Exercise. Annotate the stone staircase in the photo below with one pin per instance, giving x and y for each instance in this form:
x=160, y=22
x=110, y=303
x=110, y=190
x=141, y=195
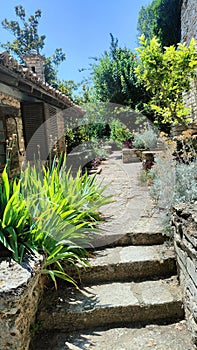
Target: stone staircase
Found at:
x=129, y=299
x=126, y=287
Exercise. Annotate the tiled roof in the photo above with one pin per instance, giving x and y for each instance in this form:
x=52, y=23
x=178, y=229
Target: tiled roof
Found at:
x=23, y=72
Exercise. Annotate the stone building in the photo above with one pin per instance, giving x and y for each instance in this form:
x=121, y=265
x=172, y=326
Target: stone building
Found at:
x=26, y=103
x=188, y=20
x=189, y=31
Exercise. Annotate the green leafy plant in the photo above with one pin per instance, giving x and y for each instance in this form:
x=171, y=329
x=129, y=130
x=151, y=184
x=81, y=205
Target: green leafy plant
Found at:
x=113, y=77
x=48, y=211
x=161, y=18
x=174, y=177
x=75, y=136
x=65, y=211
x=15, y=220
x=119, y=132
x=166, y=75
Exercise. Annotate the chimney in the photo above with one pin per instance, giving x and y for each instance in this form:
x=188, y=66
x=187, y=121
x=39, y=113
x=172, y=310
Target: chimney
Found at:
x=35, y=62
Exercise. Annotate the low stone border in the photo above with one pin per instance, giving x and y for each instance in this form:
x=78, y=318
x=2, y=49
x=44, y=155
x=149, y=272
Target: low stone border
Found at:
x=132, y=155
x=20, y=293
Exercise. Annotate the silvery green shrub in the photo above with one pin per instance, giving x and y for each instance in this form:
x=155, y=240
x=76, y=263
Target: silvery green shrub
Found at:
x=146, y=138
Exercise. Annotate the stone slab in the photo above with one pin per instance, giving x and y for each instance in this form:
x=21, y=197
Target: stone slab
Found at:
x=111, y=304
x=129, y=156
x=127, y=263
x=158, y=337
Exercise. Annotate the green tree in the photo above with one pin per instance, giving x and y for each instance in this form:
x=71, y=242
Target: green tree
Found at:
x=146, y=21
x=51, y=67
x=114, y=78
x=25, y=31
x=167, y=75
x=161, y=18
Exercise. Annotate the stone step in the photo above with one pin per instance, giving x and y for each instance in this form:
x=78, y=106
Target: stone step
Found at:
x=158, y=337
x=146, y=231
x=127, y=264
x=111, y=304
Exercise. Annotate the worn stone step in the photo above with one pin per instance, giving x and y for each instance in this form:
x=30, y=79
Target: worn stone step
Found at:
x=111, y=304
x=128, y=264
x=145, y=231
x=158, y=337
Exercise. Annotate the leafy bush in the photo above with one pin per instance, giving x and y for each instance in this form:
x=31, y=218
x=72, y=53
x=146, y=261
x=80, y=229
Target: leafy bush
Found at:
x=173, y=183
x=186, y=183
x=146, y=138
x=166, y=74
x=119, y=132
x=174, y=177
x=75, y=136
x=97, y=130
x=49, y=211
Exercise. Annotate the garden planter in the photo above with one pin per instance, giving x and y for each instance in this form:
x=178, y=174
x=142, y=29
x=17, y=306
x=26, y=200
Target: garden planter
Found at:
x=131, y=155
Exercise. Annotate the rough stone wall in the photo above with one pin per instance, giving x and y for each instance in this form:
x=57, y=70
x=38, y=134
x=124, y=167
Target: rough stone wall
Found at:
x=188, y=20
x=189, y=31
x=15, y=127
x=190, y=99
x=185, y=241
x=20, y=292
x=10, y=109
x=61, y=132
x=6, y=100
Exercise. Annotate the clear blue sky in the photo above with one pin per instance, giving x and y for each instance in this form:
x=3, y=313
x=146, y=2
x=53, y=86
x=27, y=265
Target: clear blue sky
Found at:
x=80, y=27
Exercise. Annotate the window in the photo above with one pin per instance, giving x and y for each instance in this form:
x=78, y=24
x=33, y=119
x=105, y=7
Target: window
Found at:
x=35, y=134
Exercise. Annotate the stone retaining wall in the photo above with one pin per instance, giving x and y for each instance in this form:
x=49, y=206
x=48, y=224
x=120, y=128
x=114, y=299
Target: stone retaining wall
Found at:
x=185, y=241
x=20, y=292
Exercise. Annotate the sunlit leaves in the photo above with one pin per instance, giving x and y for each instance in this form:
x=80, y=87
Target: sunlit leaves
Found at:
x=51, y=212
x=114, y=78
x=167, y=75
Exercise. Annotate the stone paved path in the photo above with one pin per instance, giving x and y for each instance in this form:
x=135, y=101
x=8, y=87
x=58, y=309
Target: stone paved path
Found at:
x=132, y=208
x=130, y=298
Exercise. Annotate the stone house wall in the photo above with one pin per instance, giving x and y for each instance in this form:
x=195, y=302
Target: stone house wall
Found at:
x=10, y=110
x=188, y=20
x=189, y=31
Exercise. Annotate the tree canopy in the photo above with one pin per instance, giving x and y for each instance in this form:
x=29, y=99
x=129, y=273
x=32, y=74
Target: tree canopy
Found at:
x=27, y=38
x=114, y=78
x=161, y=18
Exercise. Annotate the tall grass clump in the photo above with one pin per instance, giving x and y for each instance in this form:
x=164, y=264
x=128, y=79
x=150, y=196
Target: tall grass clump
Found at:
x=48, y=211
